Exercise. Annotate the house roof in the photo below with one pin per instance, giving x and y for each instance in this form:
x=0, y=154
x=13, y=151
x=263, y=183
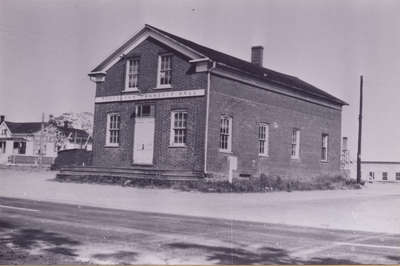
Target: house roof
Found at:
x=68, y=130
x=24, y=127
x=32, y=127
x=380, y=162
x=259, y=72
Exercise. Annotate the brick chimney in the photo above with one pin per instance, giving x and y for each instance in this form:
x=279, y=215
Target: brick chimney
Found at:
x=2, y=118
x=257, y=54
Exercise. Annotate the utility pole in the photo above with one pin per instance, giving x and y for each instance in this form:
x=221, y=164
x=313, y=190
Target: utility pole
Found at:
x=359, y=133
x=41, y=142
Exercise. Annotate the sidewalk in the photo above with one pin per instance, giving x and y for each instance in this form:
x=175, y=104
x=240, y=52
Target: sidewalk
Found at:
x=374, y=208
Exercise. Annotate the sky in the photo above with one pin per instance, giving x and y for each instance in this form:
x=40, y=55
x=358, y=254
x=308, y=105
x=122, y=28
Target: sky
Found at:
x=47, y=48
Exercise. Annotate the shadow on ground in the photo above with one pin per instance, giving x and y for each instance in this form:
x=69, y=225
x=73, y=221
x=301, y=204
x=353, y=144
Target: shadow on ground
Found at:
x=396, y=259
x=266, y=255
x=29, y=239
x=119, y=257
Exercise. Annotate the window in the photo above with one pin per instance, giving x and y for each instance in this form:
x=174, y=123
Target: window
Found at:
x=263, y=135
x=372, y=175
x=384, y=176
x=144, y=110
x=164, y=71
x=178, y=128
x=2, y=147
x=4, y=132
x=19, y=147
x=132, y=74
x=397, y=175
x=324, y=148
x=113, y=129
x=225, y=135
x=295, y=147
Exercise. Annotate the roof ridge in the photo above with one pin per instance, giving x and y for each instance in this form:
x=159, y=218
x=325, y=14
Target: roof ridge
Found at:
x=223, y=53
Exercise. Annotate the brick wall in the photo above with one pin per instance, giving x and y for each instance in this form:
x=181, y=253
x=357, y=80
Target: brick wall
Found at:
x=183, y=77
x=249, y=105
x=190, y=157
x=165, y=157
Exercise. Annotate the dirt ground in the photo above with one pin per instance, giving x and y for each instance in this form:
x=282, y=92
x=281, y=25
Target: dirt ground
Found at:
x=373, y=208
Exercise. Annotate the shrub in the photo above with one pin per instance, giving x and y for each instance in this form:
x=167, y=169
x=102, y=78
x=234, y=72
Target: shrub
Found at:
x=263, y=183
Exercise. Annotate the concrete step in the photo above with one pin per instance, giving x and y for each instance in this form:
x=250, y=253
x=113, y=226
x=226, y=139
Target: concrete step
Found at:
x=131, y=173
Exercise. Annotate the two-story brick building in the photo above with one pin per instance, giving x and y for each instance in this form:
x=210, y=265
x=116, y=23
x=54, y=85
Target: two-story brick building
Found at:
x=167, y=104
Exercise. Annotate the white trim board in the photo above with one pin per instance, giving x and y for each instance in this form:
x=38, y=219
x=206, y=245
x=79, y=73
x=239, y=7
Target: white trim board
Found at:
x=142, y=36
x=150, y=95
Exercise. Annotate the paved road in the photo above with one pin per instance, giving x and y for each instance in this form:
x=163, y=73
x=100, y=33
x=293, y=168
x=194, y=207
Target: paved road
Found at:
x=37, y=232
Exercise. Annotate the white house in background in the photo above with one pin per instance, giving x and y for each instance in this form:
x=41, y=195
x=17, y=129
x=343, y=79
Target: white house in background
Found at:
x=380, y=171
x=24, y=142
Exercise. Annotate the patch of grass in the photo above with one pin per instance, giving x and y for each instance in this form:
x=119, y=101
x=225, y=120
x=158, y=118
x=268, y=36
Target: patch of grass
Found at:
x=263, y=183
x=266, y=183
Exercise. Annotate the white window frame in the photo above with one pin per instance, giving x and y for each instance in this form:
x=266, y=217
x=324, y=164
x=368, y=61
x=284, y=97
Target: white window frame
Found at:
x=227, y=132
x=127, y=74
x=324, y=147
x=159, y=85
x=263, y=139
x=295, y=144
x=108, y=129
x=182, y=127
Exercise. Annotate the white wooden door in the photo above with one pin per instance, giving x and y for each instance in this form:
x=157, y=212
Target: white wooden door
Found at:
x=143, y=141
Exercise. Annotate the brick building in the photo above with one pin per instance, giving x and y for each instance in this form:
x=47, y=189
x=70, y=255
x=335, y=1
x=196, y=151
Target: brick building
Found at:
x=166, y=104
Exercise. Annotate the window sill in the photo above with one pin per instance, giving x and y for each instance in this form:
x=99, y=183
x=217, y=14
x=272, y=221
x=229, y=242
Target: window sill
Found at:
x=177, y=146
x=160, y=87
x=111, y=146
x=131, y=90
x=324, y=161
x=225, y=151
x=263, y=155
x=295, y=158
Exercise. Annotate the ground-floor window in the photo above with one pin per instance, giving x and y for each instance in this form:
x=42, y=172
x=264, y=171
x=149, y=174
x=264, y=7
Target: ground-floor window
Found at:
x=324, y=148
x=295, y=147
x=384, y=176
x=225, y=135
x=20, y=147
x=398, y=176
x=178, y=128
x=372, y=175
x=263, y=136
x=3, y=147
x=113, y=129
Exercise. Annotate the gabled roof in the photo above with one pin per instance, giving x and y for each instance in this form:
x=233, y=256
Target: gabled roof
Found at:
x=24, y=127
x=68, y=130
x=262, y=73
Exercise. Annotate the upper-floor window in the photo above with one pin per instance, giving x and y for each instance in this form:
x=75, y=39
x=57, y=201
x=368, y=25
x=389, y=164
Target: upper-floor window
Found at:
x=384, y=176
x=164, y=71
x=324, y=147
x=132, y=74
x=263, y=136
x=113, y=129
x=225, y=135
x=397, y=175
x=4, y=132
x=295, y=146
x=178, y=128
